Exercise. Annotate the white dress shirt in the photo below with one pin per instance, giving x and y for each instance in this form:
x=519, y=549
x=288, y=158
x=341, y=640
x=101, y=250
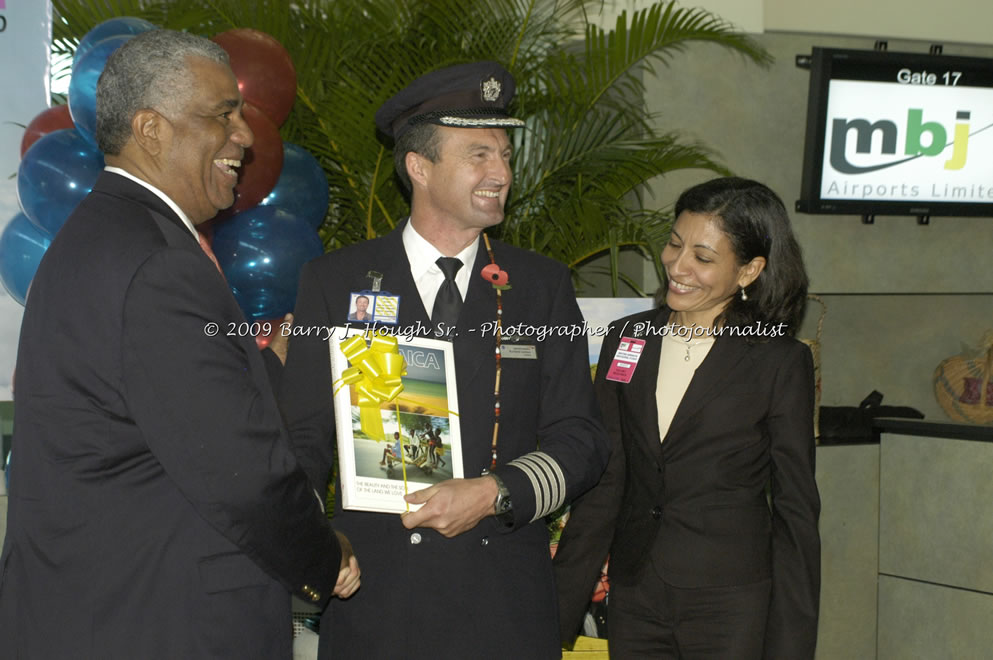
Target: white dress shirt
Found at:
x=675, y=374
x=427, y=276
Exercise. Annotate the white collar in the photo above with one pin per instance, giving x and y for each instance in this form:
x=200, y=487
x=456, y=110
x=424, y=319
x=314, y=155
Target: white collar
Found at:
x=422, y=256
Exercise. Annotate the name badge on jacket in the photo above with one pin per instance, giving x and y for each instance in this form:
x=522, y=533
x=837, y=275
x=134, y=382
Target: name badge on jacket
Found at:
x=625, y=360
x=514, y=347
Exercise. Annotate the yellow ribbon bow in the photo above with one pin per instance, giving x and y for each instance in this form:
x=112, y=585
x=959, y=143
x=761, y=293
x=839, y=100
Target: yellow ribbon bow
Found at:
x=376, y=372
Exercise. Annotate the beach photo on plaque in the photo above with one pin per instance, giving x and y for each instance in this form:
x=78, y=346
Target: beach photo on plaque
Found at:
x=395, y=416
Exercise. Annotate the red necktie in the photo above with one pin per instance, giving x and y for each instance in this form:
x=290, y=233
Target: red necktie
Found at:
x=205, y=246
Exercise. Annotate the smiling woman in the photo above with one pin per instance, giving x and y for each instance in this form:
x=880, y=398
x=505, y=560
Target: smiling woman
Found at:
x=702, y=422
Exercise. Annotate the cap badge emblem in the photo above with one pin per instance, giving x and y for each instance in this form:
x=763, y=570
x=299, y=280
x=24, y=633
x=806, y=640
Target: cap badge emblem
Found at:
x=491, y=89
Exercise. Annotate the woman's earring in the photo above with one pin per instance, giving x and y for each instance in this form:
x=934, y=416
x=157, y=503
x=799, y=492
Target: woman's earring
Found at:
x=744, y=296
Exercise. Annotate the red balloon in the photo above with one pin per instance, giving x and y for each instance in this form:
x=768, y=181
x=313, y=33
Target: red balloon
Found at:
x=262, y=163
x=53, y=119
x=265, y=72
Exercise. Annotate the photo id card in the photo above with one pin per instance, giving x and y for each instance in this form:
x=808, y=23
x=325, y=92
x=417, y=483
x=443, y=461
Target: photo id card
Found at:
x=373, y=307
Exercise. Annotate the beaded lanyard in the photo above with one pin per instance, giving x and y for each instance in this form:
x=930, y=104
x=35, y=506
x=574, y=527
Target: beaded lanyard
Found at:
x=498, y=278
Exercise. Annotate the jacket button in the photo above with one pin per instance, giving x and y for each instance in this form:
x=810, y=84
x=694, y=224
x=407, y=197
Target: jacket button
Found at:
x=485, y=541
x=415, y=538
x=657, y=513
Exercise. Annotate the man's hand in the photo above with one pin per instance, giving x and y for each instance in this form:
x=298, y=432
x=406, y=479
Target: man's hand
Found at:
x=348, y=573
x=453, y=506
x=280, y=341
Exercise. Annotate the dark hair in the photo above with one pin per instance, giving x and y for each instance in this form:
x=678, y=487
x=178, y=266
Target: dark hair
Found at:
x=422, y=139
x=150, y=70
x=756, y=223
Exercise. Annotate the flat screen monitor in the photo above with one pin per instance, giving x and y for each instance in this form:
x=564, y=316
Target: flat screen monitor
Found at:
x=898, y=134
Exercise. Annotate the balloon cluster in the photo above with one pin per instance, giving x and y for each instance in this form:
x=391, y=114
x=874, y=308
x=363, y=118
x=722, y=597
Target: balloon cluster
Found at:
x=281, y=198
x=60, y=161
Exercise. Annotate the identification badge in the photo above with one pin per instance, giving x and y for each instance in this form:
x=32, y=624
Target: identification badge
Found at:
x=373, y=307
x=519, y=351
x=625, y=360
x=387, y=309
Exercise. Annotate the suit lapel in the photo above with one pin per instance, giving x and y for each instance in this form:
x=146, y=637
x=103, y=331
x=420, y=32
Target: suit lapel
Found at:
x=644, y=381
x=398, y=281
x=471, y=348
x=710, y=379
x=115, y=185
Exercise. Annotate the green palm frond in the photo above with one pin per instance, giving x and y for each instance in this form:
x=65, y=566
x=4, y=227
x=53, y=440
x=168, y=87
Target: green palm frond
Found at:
x=581, y=165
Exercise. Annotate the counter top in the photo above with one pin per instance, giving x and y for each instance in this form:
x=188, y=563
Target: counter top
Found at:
x=924, y=427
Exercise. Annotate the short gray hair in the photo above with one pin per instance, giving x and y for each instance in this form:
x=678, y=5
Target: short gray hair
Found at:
x=423, y=139
x=149, y=71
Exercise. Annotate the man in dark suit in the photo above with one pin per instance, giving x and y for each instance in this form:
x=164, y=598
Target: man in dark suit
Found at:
x=468, y=575
x=156, y=508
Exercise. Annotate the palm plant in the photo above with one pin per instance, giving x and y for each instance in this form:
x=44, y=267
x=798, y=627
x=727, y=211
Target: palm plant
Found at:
x=581, y=164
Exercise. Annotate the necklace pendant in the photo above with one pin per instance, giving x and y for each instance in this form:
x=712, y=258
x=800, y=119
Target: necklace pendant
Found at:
x=687, y=358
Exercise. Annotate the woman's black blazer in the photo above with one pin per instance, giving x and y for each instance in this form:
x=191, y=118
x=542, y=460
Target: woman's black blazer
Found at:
x=731, y=490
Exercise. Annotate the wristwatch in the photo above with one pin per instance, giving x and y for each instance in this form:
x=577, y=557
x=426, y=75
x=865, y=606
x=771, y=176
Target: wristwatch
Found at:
x=503, y=508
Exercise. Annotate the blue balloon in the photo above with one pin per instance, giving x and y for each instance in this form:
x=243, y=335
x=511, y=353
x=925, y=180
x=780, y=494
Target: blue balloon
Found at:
x=83, y=84
x=302, y=188
x=21, y=247
x=261, y=251
x=54, y=176
x=110, y=28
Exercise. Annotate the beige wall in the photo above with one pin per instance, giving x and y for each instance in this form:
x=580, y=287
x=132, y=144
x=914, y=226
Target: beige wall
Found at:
x=951, y=21
x=747, y=15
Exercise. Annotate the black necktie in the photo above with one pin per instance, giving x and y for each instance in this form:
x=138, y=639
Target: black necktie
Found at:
x=448, y=302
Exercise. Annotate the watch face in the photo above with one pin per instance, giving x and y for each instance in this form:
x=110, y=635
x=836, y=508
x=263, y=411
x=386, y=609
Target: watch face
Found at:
x=504, y=511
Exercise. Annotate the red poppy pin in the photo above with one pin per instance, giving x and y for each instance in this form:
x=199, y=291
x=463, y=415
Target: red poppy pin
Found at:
x=498, y=278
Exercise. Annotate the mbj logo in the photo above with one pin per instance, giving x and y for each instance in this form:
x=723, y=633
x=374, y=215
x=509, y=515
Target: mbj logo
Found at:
x=913, y=142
